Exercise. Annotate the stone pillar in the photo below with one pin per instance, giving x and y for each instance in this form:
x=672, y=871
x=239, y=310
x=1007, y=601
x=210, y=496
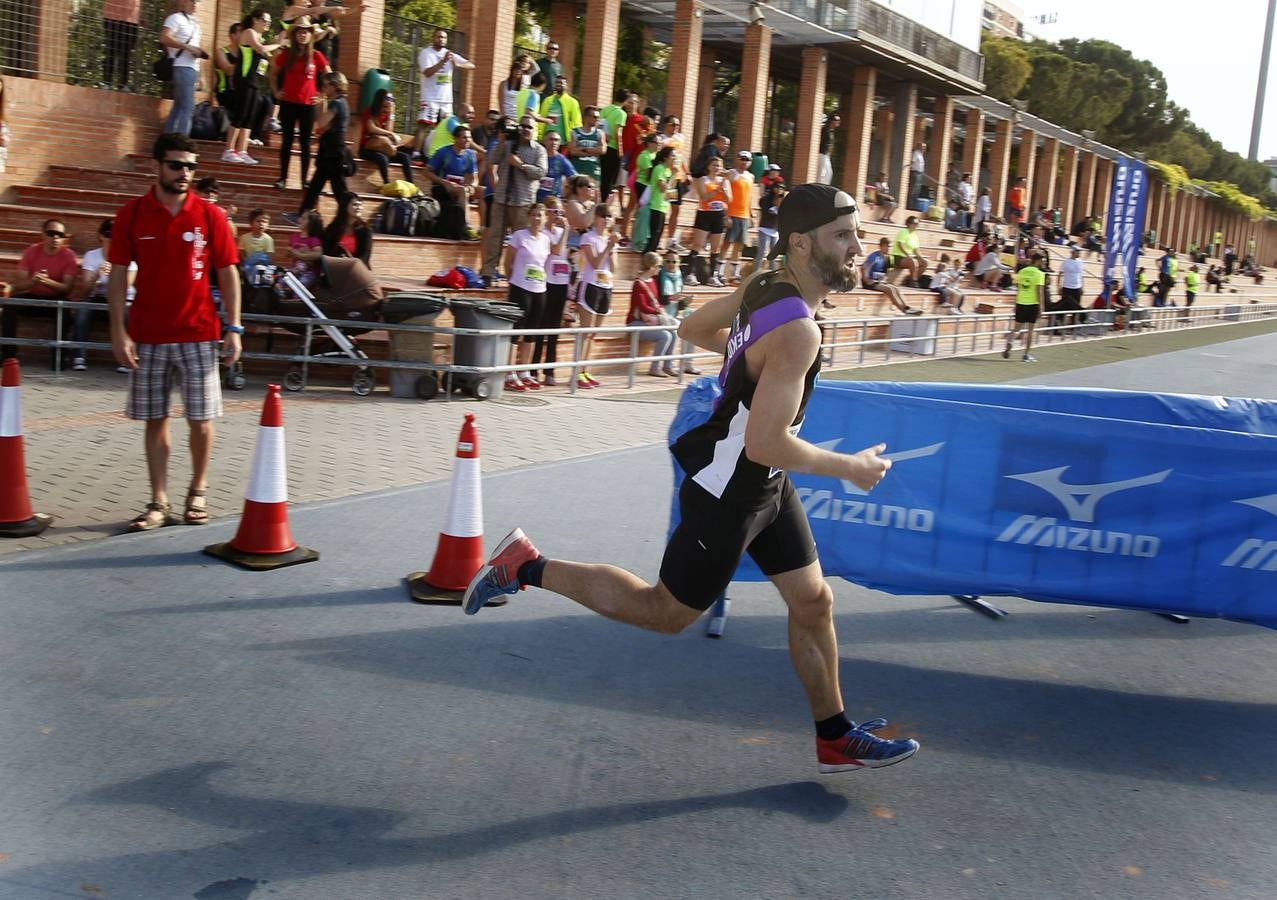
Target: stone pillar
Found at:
x=807, y=120
x=1026, y=162
x=1086, y=186
x=755, y=75
x=563, y=14
x=1067, y=191
x=360, y=48
x=897, y=154
x=973, y=147
x=940, y=147
x=704, y=102
x=858, y=112
x=489, y=29
x=598, y=57
x=685, y=65
x=1000, y=165
x=1048, y=167
x=1103, y=189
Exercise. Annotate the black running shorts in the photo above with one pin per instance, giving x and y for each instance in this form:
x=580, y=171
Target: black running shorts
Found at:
x=712, y=535
x=1027, y=313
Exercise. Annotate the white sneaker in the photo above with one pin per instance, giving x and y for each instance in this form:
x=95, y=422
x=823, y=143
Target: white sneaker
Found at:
x=247, y=160
x=254, y=142
x=690, y=281
x=78, y=365
x=229, y=155
x=715, y=281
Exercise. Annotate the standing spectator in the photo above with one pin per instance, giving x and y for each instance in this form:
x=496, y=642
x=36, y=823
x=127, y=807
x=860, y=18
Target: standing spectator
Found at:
x=1070, y=280
x=741, y=213
x=917, y=171
x=983, y=211
x=824, y=165
x=549, y=64
x=441, y=135
x=510, y=89
x=528, y=101
x=482, y=134
x=768, y=211
x=436, y=64
x=637, y=126
x=671, y=136
x=578, y=209
x=348, y=235
x=46, y=271
x=562, y=109
x=966, y=199
x=1219, y=236
x=1030, y=285
x=660, y=182
x=594, y=292
x=640, y=193
x=613, y=116
x=1017, y=202
x=713, y=193
x=715, y=147
x=250, y=86
x=297, y=73
x=181, y=36
x=558, y=275
x=4, y=131
x=330, y=162
x=646, y=309
x=453, y=171
x=378, y=142
x=1167, y=268
x=1230, y=258
x=120, y=23
x=517, y=167
x=1191, y=282
x=226, y=66
x=558, y=168
x=587, y=145
x=527, y=254
x=95, y=273
x=177, y=240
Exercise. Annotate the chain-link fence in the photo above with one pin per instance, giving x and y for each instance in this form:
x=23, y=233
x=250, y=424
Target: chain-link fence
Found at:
x=402, y=39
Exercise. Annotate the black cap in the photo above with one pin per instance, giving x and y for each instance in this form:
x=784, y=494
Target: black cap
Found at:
x=809, y=206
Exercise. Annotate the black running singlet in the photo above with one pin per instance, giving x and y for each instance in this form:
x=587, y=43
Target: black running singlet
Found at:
x=713, y=454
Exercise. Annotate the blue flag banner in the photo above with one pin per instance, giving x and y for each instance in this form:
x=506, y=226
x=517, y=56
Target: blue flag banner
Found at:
x=1124, y=231
x=1110, y=498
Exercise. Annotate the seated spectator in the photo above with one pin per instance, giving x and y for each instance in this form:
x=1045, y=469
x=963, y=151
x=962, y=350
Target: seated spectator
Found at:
x=378, y=143
x=256, y=246
x=46, y=271
x=558, y=168
x=94, y=272
x=348, y=234
x=306, y=246
x=874, y=278
x=208, y=188
x=453, y=171
x=944, y=283
x=990, y=270
x=646, y=309
x=884, y=199
x=905, y=255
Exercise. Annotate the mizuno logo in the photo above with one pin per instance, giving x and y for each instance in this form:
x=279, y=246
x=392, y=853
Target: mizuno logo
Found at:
x=898, y=456
x=1254, y=553
x=1268, y=503
x=1080, y=500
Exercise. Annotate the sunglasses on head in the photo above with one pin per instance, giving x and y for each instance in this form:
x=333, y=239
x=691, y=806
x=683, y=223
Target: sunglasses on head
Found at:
x=176, y=165
x=49, y=232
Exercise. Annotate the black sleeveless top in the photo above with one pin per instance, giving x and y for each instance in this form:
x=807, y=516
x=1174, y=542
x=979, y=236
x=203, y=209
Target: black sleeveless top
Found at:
x=713, y=454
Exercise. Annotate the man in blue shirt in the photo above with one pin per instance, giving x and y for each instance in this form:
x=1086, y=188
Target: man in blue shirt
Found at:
x=558, y=168
x=452, y=171
x=874, y=278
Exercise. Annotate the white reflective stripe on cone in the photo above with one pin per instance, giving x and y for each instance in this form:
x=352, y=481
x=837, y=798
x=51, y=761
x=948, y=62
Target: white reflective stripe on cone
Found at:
x=10, y=412
x=269, y=480
x=465, y=506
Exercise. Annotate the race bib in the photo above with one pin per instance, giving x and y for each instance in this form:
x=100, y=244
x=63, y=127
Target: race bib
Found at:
x=560, y=269
x=263, y=66
x=455, y=179
x=547, y=184
x=602, y=278
x=443, y=78
x=534, y=274
x=717, y=206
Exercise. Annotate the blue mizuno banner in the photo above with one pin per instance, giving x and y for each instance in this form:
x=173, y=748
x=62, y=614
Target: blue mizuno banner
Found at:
x=1124, y=231
x=1110, y=498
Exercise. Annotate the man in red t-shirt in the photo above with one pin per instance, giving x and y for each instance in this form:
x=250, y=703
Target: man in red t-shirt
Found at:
x=176, y=238
x=46, y=271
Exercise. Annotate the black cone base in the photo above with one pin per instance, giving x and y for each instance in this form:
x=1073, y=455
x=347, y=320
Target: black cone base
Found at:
x=423, y=591
x=26, y=528
x=261, y=562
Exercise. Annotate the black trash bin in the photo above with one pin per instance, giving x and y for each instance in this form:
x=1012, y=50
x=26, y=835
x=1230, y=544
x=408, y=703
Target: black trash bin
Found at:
x=412, y=308
x=479, y=349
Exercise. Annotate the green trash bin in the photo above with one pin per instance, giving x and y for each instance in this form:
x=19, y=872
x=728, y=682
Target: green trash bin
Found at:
x=374, y=80
x=758, y=165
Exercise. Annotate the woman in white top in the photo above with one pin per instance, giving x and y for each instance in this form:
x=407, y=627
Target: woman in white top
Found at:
x=558, y=275
x=594, y=288
x=527, y=255
x=181, y=36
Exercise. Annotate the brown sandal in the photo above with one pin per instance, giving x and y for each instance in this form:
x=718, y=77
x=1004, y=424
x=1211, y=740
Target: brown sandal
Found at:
x=156, y=515
x=196, y=515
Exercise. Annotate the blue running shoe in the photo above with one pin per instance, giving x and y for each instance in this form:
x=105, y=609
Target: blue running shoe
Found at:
x=861, y=749
x=501, y=573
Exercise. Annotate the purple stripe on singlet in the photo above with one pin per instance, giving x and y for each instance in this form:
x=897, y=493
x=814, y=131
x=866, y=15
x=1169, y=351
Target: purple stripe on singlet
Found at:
x=761, y=321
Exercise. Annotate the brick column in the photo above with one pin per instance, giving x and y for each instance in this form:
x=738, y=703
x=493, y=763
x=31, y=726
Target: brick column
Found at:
x=598, y=53
x=704, y=102
x=1086, y=187
x=1067, y=191
x=1103, y=188
x=858, y=130
x=1026, y=162
x=563, y=33
x=1000, y=165
x=897, y=154
x=940, y=147
x=360, y=48
x=973, y=147
x=1047, y=169
x=755, y=72
x=685, y=64
x=811, y=108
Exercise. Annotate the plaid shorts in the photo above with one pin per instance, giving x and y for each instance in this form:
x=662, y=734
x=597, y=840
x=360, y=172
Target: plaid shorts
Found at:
x=152, y=381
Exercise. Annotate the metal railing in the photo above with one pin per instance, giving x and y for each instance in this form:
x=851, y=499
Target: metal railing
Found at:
x=846, y=342
x=72, y=41
x=402, y=38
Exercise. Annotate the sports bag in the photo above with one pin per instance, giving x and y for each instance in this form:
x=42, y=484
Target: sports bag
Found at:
x=208, y=122
x=399, y=217
x=427, y=216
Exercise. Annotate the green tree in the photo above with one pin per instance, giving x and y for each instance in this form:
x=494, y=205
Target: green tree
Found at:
x=1146, y=114
x=1006, y=66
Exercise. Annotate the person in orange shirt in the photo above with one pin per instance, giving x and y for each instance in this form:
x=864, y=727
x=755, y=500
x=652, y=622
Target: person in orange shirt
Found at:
x=1018, y=201
x=741, y=211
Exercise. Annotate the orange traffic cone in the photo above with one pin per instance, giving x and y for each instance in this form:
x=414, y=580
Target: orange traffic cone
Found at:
x=16, y=518
x=264, y=541
x=459, y=553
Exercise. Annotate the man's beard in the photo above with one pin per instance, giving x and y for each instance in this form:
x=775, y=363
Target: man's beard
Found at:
x=833, y=272
x=176, y=188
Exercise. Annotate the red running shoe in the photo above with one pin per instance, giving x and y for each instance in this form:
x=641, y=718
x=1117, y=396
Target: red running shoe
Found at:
x=514, y=384
x=531, y=383
x=501, y=573
x=861, y=749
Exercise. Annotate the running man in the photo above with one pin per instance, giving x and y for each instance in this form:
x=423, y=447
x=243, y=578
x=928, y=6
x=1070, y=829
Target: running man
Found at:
x=1030, y=282
x=737, y=497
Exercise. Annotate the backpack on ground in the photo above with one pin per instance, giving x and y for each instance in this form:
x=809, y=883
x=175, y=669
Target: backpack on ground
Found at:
x=427, y=216
x=208, y=122
x=399, y=217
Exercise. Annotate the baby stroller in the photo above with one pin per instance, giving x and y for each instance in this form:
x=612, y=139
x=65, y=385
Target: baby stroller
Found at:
x=347, y=290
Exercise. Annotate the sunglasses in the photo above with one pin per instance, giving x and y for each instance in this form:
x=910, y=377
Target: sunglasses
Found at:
x=49, y=232
x=525, y=127
x=174, y=165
